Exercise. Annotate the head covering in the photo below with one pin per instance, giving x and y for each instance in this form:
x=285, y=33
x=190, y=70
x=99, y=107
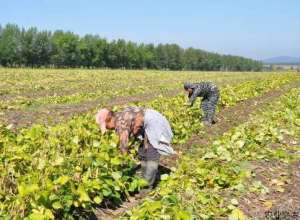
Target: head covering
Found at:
x=101, y=117
x=187, y=85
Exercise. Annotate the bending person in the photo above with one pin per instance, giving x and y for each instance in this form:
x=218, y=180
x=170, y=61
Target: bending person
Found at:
x=210, y=96
x=145, y=124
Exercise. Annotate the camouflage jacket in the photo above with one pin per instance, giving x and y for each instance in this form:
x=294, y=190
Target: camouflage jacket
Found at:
x=202, y=89
x=129, y=122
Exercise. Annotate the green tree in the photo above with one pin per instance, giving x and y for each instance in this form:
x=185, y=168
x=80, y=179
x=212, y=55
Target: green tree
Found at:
x=66, y=51
x=10, y=46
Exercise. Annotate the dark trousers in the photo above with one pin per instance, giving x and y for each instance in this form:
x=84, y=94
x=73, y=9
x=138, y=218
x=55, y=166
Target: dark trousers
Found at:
x=149, y=171
x=149, y=163
x=209, y=105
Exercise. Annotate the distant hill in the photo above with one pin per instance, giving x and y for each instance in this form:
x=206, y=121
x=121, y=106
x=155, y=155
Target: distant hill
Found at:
x=282, y=60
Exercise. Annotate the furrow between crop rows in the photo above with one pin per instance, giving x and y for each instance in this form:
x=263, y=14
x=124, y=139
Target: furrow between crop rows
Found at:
x=210, y=182
x=67, y=169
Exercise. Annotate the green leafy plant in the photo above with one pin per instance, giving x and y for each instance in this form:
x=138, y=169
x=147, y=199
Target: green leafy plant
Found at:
x=54, y=171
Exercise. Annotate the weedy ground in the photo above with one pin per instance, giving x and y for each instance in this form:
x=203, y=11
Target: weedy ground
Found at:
x=55, y=164
x=250, y=171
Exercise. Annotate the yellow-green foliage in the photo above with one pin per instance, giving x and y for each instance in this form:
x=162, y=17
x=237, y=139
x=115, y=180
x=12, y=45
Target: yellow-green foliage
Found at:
x=195, y=189
x=51, y=171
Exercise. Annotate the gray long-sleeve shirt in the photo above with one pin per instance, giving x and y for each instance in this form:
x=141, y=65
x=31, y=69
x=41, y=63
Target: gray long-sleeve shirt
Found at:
x=158, y=131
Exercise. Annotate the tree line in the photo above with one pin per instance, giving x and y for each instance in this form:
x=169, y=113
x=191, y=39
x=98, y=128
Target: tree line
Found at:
x=20, y=47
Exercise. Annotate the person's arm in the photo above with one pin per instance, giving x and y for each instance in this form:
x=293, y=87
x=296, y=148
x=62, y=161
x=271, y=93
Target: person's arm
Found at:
x=193, y=97
x=128, y=123
x=123, y=141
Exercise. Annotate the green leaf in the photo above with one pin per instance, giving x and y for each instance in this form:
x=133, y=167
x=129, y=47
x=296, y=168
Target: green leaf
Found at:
x=83, y=196
x=182, y=215
x=96, y=144
x=106, y=192
x=75, y=140
x=62, y=180
x=209, y=155
x=49, y=214
x=236, y=214
x=240, y=143
x=57, y=205
x=37, y=216
x=234, y=202
x=97, y=199
x=26, y=189
x=115, y=161
x=116, y=175
x=156, y=205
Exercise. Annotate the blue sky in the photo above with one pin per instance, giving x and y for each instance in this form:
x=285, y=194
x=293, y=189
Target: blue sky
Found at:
x=253, y=28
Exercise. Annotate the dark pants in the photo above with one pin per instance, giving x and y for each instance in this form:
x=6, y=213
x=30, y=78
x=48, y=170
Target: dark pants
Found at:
x=209, y=105
x=149, y=171
x=149, y=163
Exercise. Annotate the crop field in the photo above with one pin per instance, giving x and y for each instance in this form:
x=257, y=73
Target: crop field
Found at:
x=55, y=164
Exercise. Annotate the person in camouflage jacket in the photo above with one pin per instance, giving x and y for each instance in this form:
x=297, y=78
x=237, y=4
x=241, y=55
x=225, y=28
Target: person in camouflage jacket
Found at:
x=210, y=95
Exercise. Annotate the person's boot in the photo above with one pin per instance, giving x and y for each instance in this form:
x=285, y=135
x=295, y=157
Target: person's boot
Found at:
x=142, y=167
x=150, y=171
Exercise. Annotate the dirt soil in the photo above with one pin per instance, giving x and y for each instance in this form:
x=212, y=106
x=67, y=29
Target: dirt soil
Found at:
x=227, y=119
x=54, y=114
x=283, y=200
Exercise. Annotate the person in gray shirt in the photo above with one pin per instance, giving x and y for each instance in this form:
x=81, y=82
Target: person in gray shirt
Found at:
x=210, y=95
x=148, y=125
